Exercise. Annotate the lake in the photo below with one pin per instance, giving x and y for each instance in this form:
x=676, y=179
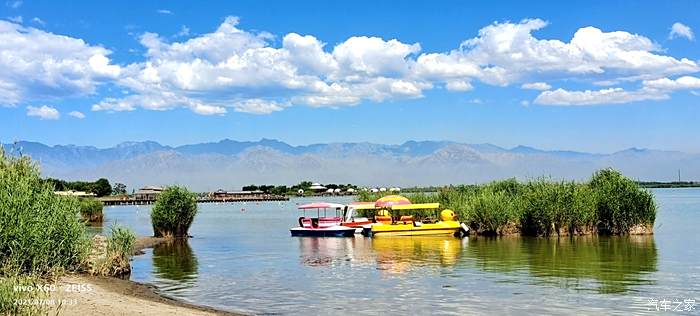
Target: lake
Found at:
x=241, y=258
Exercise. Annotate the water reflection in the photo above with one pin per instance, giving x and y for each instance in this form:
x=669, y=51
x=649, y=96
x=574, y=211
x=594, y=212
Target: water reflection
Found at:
x=612, y=264
x=327, y=251
x=175, y=264
x=402, y=254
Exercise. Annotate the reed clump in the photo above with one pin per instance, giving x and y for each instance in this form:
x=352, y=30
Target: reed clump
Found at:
x=609, y=204
x=110, y=256
x=41, y=233
x=91, y=210
x=174, y=212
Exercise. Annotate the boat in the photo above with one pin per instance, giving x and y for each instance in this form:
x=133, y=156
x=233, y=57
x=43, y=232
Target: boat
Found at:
x=405, y=225
x=351, y=220
x=322, y=226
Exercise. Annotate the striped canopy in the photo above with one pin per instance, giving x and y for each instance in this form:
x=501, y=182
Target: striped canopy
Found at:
x=391, y=200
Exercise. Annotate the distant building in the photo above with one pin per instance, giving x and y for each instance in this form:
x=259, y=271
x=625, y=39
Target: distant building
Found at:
x=75, y=193
x=317, y=187
x=148, y=193
x=225, y=195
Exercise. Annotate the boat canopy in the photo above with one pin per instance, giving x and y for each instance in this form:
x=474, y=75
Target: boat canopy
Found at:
x=419, y=206
x=320, y=205
x=391, y=200
x=362, y=205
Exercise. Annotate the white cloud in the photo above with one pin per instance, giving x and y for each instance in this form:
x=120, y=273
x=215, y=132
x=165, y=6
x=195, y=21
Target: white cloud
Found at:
x=38, y=21
x=164, y=11
x=252, y=72
x=536, y=86
x=40, y=65
x=593, y=97
x=259, y=106
x=44, y=112
x=459, y=85
x=525, y=103
x=77, y=114
x=681, y=30
x=682, y=83
x=17, y=19
x=184, y=32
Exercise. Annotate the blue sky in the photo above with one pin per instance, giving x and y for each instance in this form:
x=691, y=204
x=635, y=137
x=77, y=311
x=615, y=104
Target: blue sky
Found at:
x=596, y=77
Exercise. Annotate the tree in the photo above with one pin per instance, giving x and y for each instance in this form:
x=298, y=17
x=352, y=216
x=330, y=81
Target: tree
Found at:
x=119, y=189
x=102, y=187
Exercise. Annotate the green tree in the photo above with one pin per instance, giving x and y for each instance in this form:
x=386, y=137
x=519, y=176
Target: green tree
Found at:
x=119, y=189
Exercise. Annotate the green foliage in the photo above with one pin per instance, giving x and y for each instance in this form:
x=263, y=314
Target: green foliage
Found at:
x=490, y=212
x=91, y=209
x=620, y=202
x=121, y=242
x=22, y=289
x=101, y=187
x=40, y=232
x=119, y=189
x=174, y=212
x=113, y=258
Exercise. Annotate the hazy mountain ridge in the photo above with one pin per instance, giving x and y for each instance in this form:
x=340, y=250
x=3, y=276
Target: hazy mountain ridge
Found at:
x=231, y=164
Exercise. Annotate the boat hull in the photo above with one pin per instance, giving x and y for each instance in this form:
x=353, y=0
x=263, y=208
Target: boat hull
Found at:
x=305, y=232
x=409, y=229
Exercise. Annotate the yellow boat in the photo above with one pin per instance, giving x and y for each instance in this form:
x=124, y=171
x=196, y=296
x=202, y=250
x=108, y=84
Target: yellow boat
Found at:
x=406, y=226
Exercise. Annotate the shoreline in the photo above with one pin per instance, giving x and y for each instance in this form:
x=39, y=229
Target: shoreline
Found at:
x=83, y=294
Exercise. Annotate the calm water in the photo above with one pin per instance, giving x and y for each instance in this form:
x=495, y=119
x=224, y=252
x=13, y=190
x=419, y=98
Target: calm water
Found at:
x=242, y=259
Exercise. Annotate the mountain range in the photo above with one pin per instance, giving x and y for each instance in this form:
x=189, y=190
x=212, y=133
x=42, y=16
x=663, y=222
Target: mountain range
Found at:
x=231, y=164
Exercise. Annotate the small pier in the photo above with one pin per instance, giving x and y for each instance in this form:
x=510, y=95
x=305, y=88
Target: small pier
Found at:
x=132, y=200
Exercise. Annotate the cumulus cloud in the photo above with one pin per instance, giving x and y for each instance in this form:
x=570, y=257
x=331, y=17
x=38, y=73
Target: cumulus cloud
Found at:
x=593, y=97
x=40, y=65
x=164, y=11
x=77, y=114
x=44, y=112
x=254, y=72
x=681, y=30
x=536, y=86
x=17, y=19
x=38, y=21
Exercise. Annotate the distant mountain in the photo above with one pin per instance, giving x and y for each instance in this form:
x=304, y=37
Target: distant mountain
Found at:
x=231, y=164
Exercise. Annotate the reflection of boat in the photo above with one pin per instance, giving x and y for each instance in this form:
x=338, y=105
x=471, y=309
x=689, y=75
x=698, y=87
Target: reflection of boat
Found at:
x=322, y=226
x=317, y=252
x=400, y=254
x=406, y=225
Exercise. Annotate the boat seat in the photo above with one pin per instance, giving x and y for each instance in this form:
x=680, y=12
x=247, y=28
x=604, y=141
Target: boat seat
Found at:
x=406, y=219
x=383, y=219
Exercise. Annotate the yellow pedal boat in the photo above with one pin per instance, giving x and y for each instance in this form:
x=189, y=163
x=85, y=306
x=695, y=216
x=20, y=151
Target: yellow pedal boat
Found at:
x=406, y=226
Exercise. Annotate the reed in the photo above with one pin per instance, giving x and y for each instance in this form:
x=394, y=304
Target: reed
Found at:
x=91, y=209
x=174, y=212
x=609, y=203
x=39, y=231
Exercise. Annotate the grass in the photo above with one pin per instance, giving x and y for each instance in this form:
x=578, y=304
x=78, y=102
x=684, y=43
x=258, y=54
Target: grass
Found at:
x=174, y=212
x=609, y=204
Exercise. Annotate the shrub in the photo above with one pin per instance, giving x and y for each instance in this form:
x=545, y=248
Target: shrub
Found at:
x=40, y=232
x=173, y=212
x=91, y=209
